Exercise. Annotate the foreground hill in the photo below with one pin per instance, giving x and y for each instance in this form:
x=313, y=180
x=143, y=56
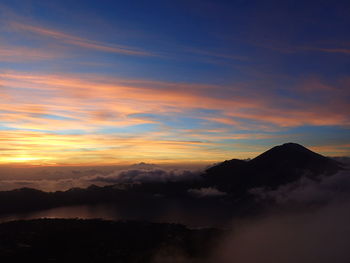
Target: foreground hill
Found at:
x=63, y=240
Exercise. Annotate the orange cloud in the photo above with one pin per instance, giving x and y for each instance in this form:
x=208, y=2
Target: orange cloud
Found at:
x=49, y=105
x=87, y=97
x=333, y=150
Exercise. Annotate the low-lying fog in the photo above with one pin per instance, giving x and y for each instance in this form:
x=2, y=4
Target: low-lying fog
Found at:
x=63, y=178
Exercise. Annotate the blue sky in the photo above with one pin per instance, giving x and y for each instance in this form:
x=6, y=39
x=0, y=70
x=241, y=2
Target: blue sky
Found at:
x=230, y=78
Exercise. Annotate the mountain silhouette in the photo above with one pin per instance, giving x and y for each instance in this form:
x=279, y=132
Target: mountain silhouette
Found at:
x=280, y=165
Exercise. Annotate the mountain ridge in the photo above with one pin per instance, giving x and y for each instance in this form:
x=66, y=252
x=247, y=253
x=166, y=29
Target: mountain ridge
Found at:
x=279, y=165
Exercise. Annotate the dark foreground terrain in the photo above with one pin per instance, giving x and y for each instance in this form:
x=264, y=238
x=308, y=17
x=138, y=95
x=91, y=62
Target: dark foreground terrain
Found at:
x=75, y=240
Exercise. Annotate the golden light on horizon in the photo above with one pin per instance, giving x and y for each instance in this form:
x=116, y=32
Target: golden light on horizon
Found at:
x=25, y=159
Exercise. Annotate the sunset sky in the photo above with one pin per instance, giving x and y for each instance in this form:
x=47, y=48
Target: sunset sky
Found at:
x=111, y=82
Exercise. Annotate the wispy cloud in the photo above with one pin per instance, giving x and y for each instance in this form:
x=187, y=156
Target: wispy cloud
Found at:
x=78, y=41
x=89, y=118
x=54, y=149
x=345, y=51
x=22, y=54
x=118, y=98
x=295, y=49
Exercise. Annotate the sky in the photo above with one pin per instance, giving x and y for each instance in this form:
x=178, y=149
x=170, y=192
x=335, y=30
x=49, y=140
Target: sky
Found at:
x=118, y=82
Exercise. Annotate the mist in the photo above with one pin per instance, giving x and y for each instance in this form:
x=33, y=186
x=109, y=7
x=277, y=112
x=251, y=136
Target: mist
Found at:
x=52, y=179
x=318, y=236
x=309, y=223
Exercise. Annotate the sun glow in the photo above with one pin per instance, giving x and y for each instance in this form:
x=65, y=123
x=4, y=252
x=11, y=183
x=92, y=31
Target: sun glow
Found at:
x=25, y=159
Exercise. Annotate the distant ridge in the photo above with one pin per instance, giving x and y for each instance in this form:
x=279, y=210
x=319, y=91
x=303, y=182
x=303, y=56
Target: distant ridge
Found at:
x=279, y=165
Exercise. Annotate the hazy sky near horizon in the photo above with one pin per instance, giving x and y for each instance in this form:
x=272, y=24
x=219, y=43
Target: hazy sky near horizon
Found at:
x=111, y=82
